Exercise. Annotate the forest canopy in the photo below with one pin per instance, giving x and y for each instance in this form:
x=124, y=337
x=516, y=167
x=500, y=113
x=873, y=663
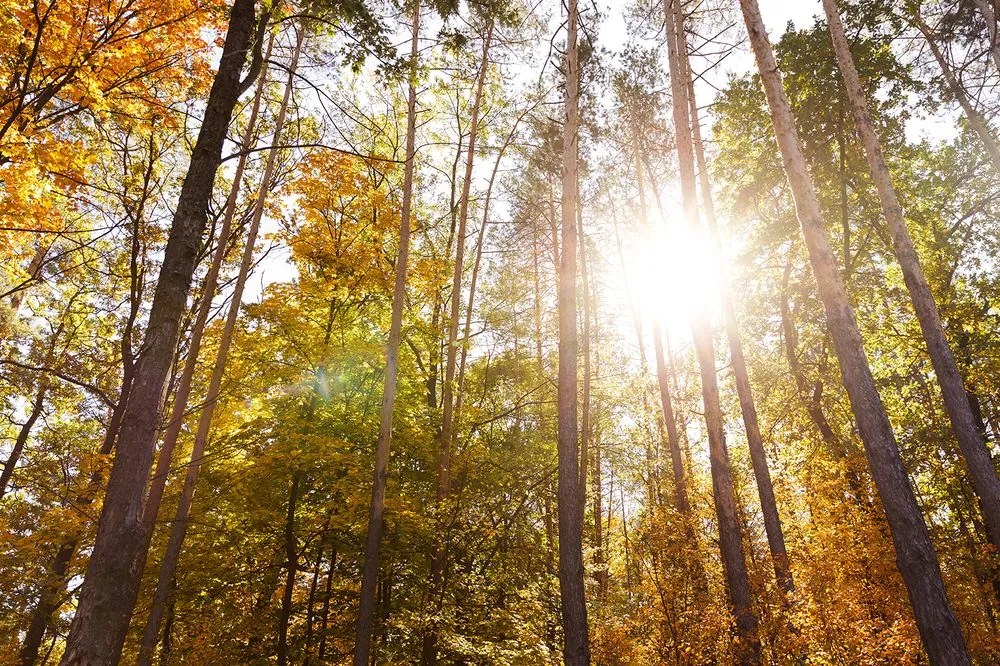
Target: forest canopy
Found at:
x=499, y=332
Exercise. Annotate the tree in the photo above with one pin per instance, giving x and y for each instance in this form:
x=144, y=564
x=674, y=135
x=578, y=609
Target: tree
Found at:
x=917, y=560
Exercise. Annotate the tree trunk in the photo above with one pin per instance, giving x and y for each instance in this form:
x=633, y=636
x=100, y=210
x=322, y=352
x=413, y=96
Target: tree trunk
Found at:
x=979, y=463
x=976, y=120
x=178, y=529
x=585, y=410
x=112, y=579
x=989, y=16
x=576, y=648
x=22, y=436
x=183, y=392
x=291, y=566
x=324, y=616
x=448, y=401
x=747, y=650
x=748, y=409
x=915, y=554
x=369, y=569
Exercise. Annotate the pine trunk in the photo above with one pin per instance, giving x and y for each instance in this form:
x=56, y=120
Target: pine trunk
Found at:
x=747, y=649
x=978, y=461
x=755, y=442
x=915, y=554
x=576, y=646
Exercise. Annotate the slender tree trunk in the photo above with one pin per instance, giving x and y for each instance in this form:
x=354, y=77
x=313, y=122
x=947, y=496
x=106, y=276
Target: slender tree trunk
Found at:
x=447, y=433
x=976, y=120
x=112, y=579
x=915, y=554
x=291, y=567
x=747, y=650
x=979, y=464
x=311, y=605
x=585, y=411
x=183, y=392
x=22, y=436
x=670, y=420
x=576, y=648
x=324, y=616
x=748, y=409
x=369, y=570
x=178, y=529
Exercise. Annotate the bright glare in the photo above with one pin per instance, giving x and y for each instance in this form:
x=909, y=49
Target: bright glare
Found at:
x=674, y=275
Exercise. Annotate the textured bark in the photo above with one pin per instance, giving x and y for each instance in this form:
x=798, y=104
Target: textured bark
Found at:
x=448, y=401
x=576, y=647
x=979, y=464
x=585, y=409
x=211, y=283
x=915, y=554
x=748, y=409
x=747, y=648
x=178, y=529
x=369, y=569
x=112, y=579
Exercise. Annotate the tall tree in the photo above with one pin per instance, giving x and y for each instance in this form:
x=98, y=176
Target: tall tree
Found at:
x=376, y=512
x=915, y=554
x=748, y=408
x=747, y=650
x=111, y=582
x=979, y=463
x=576, y=646
x=447, y=434
x=179, y=525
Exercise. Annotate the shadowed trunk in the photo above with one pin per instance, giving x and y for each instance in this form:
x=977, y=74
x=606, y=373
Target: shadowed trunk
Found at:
x=112, y=579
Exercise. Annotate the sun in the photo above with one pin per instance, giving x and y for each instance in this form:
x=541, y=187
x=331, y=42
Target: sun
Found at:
x=674, y=275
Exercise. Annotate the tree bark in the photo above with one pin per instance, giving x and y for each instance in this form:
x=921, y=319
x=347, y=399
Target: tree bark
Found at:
x=178, y=529
x=979, y=463
x=915, y=554
x=183, y=392
x=576, y=646
x=112, y=579
x=291, y=566
x=747, y=649
x=373, y=537
x=751, y=423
